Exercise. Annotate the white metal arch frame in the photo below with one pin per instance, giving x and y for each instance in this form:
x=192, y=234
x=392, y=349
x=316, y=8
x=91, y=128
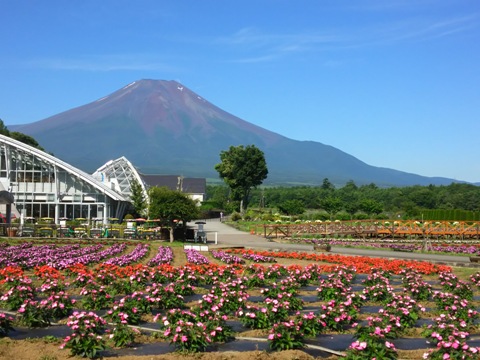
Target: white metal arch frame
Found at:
x=120, y=172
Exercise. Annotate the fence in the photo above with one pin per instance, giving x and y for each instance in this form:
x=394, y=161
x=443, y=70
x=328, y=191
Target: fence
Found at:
x=55, y=231
x=376, y=229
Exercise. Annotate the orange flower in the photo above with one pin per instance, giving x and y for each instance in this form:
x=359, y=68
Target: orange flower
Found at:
x=362, y=264
x=46, y=271
x=11, y=271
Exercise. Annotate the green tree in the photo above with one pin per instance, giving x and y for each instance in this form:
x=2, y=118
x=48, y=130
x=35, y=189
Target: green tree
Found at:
x=423, y=197
x=171, y=206
x=137, y=198
x=371, y=206
x=331, y=205
x=327, y=185
x=26, y=139
x=3, y=129
x=217, y=196
x=349, y=196
x=242, y=169
x=292, y=207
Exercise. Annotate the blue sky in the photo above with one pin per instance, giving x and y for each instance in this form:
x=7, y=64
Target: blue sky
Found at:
x=393, y=83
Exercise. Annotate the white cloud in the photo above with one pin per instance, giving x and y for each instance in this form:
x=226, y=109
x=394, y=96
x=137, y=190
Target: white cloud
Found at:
x=257, y=46
x=102, y=63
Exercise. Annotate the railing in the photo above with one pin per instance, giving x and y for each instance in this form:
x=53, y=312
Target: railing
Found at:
x=85, y=232
x=375, y=229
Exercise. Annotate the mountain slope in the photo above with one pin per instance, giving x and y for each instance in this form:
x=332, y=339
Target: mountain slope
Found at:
x=163, y=127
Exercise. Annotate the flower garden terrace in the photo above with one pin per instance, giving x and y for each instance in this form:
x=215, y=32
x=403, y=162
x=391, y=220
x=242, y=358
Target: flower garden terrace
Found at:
x=21, y=256
x=195, y=300
x=376, y=229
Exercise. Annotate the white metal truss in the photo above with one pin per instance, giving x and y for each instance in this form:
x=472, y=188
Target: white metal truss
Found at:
x=119, y=175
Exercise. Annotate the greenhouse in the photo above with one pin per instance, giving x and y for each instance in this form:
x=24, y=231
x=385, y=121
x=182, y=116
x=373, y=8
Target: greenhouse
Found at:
x=44, y=186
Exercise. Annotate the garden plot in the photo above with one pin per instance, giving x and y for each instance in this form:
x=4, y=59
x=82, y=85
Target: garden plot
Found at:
x=248, y=305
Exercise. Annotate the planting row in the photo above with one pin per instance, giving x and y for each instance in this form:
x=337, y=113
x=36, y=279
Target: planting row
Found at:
x=157, y=294
x=455, y=248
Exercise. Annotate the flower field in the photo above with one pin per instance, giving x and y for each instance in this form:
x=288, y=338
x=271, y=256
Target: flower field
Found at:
x=467, y=247
x=105, y=298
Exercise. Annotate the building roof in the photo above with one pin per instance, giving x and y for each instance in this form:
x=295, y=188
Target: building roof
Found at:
x=175, y=182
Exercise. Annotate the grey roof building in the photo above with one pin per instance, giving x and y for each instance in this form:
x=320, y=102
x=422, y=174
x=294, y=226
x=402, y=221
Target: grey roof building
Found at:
x=196, y=188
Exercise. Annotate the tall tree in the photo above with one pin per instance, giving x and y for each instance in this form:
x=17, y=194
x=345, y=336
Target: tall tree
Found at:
x=3, y=129
x=327, y=185
x=171, y=206
x=349, y=196
x=242, y=169
x=137, y=198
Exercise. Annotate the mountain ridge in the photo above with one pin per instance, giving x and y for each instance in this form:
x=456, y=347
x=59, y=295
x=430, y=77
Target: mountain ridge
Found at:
x=163, y=127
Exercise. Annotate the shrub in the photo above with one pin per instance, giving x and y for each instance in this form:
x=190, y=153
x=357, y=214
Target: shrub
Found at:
x=122, y=335
x=343, y=216
x=320, y=216
x=35, y=314
x=235, y=216
x=287, y=335
x=85, y=340
x=361, y=216
x=5, y=324
x=268, y=217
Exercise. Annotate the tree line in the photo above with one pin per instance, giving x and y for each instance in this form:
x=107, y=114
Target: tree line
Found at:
x=456, y=201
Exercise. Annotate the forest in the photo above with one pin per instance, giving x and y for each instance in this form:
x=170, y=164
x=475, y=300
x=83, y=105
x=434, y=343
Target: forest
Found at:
x=457, y=201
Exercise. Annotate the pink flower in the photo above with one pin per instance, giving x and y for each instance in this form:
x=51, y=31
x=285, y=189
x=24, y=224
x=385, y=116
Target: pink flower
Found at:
x=357, y=345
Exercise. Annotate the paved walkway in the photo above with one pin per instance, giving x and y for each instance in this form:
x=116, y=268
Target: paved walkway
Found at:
x=227, y=236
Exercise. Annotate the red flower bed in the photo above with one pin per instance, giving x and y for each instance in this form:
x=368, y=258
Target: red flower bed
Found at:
x=362, y=264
